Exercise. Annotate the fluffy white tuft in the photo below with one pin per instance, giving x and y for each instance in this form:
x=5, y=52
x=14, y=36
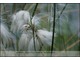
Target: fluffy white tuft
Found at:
x=45, y=37
x=31, y=45
x=19, y=19
x=36, y=21
x=7, y=37
x=24, y=41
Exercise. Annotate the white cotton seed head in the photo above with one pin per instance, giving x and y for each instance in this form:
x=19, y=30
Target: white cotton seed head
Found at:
x=45, y=37
x=25, y=27
x=6, y=36
x=24, y=40
x=31, y=45
x=36, y=21
x=19, y=19
x=22, y=15
x=4, y=31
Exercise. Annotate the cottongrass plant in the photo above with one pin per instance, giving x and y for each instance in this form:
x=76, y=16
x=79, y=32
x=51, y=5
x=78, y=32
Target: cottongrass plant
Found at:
x=21, y=22
x=20, y=36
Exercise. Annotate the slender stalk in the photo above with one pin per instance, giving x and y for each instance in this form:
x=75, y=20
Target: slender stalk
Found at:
x=59, y=20
x=34, y=9
x=23, y=6
x=79, y=28
x=62, y=11
x=32, y=6
x=72, y=45
x=40, y=42
x=51, y=14
x=0, y=27
x=48, y=17
x=53, y=28
x=33, y=27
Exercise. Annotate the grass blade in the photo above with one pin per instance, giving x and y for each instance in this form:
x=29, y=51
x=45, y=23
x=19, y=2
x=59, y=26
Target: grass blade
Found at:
x=62, y=11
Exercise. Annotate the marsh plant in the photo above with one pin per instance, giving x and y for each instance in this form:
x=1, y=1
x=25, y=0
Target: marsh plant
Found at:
x=39, y=30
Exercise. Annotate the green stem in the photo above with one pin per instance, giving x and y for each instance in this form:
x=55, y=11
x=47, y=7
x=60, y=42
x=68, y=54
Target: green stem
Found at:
x=23, y=6
x=79, y=29
x=33, y=27
x=53, y=28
